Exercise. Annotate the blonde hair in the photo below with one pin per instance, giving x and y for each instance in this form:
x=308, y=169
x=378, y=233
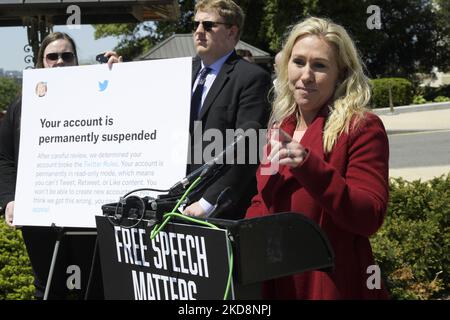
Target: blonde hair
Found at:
x=352, y=94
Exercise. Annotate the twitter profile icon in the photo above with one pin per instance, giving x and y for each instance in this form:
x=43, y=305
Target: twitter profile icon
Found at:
x=103, y=85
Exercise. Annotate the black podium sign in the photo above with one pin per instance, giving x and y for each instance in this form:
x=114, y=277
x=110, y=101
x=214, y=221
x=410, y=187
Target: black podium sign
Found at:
x=183, y=262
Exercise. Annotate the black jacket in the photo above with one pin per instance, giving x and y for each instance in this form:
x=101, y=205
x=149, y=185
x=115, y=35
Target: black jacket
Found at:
x=237, y=96
x=9, y=152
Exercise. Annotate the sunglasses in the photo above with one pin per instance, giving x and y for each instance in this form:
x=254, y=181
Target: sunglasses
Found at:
x=66, y=56
x=208, y=25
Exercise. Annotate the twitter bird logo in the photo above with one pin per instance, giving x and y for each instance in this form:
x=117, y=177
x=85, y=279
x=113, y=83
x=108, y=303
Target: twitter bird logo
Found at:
x=103, y=85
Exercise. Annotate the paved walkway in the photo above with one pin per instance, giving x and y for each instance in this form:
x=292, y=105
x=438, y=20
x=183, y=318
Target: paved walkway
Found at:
x=412, y=120
x=417, y=121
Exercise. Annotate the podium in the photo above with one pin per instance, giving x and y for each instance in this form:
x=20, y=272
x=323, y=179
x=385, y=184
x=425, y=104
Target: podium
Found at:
x=263, y=248
x=275, y=246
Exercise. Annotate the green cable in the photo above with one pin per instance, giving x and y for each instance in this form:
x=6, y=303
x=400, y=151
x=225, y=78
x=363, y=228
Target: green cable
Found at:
x=170, y=215
x=159, y=228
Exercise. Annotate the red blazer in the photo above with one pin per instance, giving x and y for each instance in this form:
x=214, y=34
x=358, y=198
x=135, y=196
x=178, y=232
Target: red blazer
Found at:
x=346, y=193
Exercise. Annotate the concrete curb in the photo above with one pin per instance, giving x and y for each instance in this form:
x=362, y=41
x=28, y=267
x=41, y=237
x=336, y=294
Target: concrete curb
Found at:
x=413, y=108
x=408, y=131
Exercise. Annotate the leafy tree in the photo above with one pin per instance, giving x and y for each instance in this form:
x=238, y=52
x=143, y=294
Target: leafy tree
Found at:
x=254, y=28
x=280, y=15
x=134, y=37
x=414, y=36
x=9, y=89
x=137, y=38
x=408, y=42
x=443, y=21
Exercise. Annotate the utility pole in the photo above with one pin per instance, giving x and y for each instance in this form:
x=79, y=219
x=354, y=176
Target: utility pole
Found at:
x=391, y=103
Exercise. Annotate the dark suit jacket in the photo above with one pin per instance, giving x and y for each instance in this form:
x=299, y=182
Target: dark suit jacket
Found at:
x=345, y=192
x=9, y=152
x=238, y=95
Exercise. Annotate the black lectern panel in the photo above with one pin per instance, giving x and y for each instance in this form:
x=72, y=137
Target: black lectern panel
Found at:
x=277, y=245
x=182, y=262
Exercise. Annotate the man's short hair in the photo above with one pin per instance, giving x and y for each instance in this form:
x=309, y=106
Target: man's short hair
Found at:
x=227, y=9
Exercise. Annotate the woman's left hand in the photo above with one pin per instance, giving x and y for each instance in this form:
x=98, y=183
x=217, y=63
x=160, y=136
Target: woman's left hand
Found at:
x=113, y=58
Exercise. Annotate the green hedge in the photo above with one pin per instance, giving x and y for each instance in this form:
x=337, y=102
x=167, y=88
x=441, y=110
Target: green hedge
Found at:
x=9, y=89
x=413, y=246
x=402, y=92
x=16, y=275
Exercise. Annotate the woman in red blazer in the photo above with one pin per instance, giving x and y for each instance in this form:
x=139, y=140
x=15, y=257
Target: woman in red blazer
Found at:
x=327, y=159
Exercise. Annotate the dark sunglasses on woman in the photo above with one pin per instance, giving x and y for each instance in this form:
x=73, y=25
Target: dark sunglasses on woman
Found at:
x=66, y=56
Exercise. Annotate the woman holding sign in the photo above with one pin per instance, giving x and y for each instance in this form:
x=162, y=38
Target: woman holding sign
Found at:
x=328, y=159
x=57, y=50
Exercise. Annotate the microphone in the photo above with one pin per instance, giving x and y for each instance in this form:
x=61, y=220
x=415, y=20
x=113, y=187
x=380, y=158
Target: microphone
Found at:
x=214, y=164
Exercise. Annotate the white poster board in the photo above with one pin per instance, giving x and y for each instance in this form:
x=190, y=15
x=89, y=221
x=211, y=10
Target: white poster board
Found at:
x=90, y=135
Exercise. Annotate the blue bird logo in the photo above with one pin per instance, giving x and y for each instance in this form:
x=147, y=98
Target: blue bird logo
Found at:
x=103, y=85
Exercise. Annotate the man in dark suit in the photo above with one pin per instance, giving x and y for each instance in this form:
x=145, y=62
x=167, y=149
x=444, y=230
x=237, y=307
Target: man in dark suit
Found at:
x=232, y=93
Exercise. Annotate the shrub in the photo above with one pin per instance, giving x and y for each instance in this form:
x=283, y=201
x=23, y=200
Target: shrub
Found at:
x=402, y=93
x=9, y=89
x=441, y=99
x=430, y=93
x=412, y=248
x=419, y=100
x=16, y=275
